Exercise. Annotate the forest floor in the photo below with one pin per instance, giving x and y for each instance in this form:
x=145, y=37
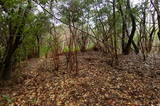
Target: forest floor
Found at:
x=132, y=82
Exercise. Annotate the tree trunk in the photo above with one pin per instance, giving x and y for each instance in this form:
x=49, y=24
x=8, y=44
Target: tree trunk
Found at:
x=151, y=34
x=7, y=63
x=115, y=33
x=144, y=34
x=127, y=48
x=6, y=67
x=38, y=47
x=6, y=70
x=125, y=32
x=156, y=7
x=14, y=40
x=158, y=18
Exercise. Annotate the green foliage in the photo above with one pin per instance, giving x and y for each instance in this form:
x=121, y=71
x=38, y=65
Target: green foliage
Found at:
x=32, y=101
x=44, y=50
x=28, y=26
x=66, y=49
x=7, y=99
x=72, y=13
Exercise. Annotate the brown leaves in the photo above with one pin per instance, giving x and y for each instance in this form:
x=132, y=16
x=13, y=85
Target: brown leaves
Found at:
x=96, y=84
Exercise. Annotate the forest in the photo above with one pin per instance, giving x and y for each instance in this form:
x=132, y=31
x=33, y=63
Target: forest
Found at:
x=79, y=53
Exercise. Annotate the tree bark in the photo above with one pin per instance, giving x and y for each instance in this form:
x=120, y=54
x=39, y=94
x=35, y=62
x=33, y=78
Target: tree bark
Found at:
x=38, y=47
x=7, y=63
x=125, y=32
x=114, y=26
x=156, y=7
x=14, y=40
x=151, y=34
x=127, y=48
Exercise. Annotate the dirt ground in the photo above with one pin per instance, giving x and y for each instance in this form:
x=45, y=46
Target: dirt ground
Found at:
x=131, y=82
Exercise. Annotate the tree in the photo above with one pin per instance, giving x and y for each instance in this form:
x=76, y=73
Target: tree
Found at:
x=18, y=19
x=156, y=7
x=125, y=32
x=15, y=25
x=127, y=48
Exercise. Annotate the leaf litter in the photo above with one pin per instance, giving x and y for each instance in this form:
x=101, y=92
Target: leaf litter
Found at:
x=131, y=82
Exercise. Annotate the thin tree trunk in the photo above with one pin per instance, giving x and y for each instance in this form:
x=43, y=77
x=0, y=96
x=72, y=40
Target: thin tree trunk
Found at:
x=115, y=33
x=156, y=7
x=127, y=48
x=123, y=29
x=38, y=46
x=144, y=34
x=125, y=32
x=151, y=34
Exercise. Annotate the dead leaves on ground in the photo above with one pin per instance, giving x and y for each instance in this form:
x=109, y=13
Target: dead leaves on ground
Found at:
x=133, y=82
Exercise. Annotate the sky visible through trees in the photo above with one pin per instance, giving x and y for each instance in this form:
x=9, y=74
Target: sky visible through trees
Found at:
x=134, y=2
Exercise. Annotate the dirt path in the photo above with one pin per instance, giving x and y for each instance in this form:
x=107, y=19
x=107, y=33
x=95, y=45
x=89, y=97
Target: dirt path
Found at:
x=132, y=82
